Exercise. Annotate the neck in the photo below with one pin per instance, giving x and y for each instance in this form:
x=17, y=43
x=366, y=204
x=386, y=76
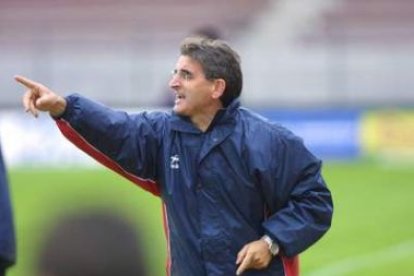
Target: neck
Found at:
x=203, y=120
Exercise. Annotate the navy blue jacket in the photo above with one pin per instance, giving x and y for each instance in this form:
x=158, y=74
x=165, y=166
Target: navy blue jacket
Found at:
x=7, y=239
x=221, y=189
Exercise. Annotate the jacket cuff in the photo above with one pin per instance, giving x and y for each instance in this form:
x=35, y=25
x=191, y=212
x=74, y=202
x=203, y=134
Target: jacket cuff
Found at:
x=68, y=110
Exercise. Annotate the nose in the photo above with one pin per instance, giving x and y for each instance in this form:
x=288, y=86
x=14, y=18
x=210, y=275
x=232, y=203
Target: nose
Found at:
x=174, y=81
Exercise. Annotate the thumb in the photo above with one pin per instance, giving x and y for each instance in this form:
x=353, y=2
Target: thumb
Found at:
x=46, y=101
x=43, y=101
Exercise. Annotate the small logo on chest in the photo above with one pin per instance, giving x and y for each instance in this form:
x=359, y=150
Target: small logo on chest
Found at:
x=175, y=162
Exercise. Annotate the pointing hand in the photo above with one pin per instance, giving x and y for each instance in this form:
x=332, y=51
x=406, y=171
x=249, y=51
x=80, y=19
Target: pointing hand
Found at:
x=40, y=98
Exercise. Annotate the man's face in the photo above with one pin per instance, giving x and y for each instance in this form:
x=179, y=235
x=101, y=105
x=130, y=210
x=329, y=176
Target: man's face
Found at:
x=193, y=92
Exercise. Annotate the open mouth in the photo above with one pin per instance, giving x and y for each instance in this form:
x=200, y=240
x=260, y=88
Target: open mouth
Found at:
x=179, y=97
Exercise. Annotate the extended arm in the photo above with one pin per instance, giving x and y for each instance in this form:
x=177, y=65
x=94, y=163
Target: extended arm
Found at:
x=127, y=144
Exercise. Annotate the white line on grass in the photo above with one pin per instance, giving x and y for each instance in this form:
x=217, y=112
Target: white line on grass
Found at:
x=386, y=255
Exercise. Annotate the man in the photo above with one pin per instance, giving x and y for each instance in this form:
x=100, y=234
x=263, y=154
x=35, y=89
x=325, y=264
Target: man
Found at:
x=241, y=195
x=7, y=239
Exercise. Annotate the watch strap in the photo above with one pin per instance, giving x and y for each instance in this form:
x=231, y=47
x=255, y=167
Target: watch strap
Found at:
x=273, y=246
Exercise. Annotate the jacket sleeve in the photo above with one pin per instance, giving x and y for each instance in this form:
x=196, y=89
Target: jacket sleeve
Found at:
x=127, y=144
x=299, y=201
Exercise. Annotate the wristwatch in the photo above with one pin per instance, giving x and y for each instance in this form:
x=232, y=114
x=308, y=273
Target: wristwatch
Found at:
x=273, y=246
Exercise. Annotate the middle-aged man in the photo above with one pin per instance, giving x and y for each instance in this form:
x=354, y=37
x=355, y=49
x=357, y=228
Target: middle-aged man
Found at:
x=241, y=195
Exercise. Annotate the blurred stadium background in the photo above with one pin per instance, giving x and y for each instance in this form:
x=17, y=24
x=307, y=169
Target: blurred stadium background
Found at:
x=337, y=72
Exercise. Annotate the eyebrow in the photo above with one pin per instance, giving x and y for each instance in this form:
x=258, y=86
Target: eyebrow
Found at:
x=184, y=71
x=187, y=71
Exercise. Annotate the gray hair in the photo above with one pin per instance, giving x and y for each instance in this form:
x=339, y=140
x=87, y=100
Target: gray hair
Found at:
x=218, y=61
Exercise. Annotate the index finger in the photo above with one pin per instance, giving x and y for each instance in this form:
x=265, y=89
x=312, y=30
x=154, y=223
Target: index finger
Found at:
x=26, y=82
x=241, y=255
x=244, y=265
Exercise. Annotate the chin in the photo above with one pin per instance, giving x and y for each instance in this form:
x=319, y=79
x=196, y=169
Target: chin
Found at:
x=178, y=110
x=181, y=111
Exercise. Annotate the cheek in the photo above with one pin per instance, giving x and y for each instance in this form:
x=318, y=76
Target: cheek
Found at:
x=199, y=98
x=198, y=94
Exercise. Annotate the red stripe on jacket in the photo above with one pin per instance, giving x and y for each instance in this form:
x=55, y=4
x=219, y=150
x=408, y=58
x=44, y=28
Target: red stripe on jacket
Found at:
x=167, y=235
x=291, y=265
x=73, y=136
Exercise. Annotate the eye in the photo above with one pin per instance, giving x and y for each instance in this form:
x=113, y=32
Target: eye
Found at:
x=182, y=74
x=185, y=75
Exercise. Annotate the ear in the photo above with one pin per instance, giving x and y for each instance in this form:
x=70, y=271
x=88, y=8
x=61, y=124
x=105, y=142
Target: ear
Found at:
x=219, y=85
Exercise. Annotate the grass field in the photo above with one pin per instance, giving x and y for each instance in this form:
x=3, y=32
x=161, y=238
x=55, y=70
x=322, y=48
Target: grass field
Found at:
x=372, y=232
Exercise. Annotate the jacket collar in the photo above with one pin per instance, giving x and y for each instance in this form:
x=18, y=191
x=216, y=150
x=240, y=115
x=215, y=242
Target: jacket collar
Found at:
x=224, y=116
